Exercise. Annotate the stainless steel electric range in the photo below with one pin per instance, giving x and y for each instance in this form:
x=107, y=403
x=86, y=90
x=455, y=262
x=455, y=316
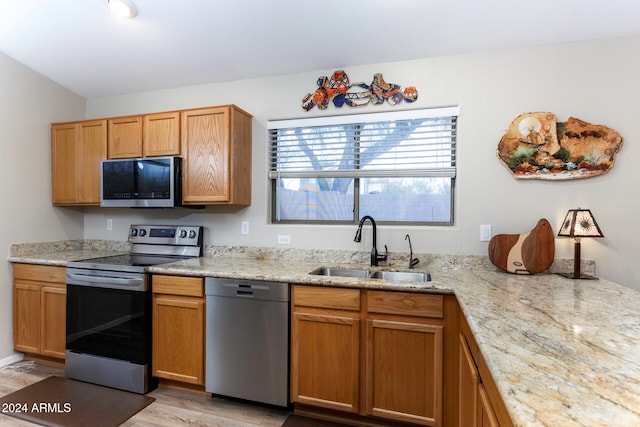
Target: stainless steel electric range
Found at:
x=108, y=334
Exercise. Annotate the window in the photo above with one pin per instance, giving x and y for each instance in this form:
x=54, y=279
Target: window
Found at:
x=398, y=167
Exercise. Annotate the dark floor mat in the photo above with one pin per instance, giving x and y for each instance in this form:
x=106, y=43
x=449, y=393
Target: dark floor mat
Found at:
x=61, y=402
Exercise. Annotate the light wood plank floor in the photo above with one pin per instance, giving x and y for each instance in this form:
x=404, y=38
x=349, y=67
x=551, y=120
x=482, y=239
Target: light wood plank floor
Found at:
x=171, y=407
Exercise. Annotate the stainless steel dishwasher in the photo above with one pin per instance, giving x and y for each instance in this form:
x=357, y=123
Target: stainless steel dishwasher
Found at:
x=247, y=340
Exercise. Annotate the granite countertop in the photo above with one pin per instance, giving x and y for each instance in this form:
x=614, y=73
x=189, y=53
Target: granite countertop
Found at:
x=562, y=352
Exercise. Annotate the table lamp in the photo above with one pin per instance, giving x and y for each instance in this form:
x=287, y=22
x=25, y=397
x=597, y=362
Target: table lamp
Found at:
x=577, y=224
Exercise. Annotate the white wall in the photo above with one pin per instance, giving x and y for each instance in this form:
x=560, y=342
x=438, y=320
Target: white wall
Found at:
x=594, y=81
x=28, y=104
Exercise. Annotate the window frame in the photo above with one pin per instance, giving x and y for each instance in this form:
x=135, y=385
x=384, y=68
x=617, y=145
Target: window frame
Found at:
x=360, y=119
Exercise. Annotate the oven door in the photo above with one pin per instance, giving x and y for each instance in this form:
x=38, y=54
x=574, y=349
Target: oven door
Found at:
x=109, y=315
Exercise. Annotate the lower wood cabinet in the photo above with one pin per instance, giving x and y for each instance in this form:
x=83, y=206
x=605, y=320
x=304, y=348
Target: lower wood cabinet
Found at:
x=325, y=347
x=378, y=354
x=480, y=404
x=178, y=309
x=39, y=310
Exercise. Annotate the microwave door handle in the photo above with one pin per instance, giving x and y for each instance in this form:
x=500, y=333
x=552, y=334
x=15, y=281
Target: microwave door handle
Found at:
x=106, y=282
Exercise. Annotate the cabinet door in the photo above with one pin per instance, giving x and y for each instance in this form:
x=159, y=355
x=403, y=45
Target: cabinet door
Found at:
x=178, y=338
x=206, y=153
x=76, y=151
x=26, y=316
x=93, y=149
x=125, y=137
x=404, y=371
x=65, y=140
x=53, y=321
x=161, y=134
x=325, y=361
x=469, y=382
x=486, y=415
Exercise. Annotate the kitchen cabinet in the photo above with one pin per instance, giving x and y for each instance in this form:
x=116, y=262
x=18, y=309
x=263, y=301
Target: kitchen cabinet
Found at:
x=39, y=309
x=480, y=404
x=161, y=134
x=178, y=313
x=325, y=347
x=378, y=354
x=216, y=152
x=214, y=143
x=125, y=137
x=150, y=135
x=76, y=152
x=405, y=357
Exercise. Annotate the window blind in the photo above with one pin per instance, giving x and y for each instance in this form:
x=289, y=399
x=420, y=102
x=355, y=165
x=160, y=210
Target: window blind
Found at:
x=416, y=143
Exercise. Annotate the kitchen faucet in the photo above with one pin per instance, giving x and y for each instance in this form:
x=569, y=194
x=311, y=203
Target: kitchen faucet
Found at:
x=374, y=250
x=412, y=261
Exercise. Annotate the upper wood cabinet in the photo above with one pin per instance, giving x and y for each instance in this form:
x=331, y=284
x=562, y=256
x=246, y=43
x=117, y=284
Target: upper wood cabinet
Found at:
x=214, y=143
x=76, y=151
x=161, y=134
x=216, y=152
x=125, y=137
x=151, y=135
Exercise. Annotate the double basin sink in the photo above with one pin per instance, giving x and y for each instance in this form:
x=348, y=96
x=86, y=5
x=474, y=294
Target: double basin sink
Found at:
x=403, y=276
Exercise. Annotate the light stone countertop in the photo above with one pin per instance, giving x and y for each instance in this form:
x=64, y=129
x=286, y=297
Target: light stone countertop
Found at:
x=562, y=352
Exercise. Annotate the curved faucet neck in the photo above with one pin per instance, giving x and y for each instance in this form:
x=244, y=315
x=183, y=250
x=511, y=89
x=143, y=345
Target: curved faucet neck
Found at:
x=373, y=224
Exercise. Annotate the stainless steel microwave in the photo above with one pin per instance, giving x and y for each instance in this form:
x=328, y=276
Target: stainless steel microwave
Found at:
x=152, y=182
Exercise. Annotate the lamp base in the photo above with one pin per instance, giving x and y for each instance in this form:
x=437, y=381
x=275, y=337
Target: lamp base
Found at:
x=573, y=276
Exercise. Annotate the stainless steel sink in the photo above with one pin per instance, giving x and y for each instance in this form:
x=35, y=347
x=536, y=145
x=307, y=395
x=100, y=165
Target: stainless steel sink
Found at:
x=343, y=272
x=402, y=276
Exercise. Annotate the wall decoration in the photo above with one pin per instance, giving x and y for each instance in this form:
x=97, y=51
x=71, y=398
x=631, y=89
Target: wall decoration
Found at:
x=524, y=253
x=537, y=146
x=338, y=90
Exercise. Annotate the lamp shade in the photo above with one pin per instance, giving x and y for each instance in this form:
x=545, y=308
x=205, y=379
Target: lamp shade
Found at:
x=580, y=223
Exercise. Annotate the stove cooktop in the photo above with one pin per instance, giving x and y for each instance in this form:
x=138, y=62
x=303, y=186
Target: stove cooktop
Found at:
x=125, y=262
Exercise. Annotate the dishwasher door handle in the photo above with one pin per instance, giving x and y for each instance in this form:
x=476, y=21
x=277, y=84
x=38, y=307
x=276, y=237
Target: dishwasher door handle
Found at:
x=244, y=294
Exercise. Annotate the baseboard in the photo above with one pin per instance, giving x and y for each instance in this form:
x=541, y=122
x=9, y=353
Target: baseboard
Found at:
x=347, y=418
x=11, y=359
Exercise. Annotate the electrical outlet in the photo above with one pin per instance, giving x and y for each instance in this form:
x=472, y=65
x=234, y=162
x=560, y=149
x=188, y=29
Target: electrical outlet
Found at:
x=109, y=224
x=245, y=227
x=485, y=233
x=284, y=239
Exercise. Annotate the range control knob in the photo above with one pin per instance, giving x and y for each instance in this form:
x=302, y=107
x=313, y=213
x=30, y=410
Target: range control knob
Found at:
x=133, y=232
x=142, y=232
x=192, y=234
x=183, y=234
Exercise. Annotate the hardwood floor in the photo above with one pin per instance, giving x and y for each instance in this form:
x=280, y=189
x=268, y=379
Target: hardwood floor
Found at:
x=171, y=408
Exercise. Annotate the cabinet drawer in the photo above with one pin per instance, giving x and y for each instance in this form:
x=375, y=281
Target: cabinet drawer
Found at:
x=405, y=303
x=322, y=297
x=178, y=285
x=40, y=273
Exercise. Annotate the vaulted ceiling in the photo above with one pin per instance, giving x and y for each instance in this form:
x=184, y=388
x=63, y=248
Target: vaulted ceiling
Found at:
x=174, y=43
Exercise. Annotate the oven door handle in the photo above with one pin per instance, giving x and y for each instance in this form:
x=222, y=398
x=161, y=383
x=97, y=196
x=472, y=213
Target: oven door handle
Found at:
x=128, y=284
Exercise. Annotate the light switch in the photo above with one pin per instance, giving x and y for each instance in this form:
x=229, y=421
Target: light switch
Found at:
x=485, y=233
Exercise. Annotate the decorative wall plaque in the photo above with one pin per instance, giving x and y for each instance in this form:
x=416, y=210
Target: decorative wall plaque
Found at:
x=340, y=91
x=537, y=146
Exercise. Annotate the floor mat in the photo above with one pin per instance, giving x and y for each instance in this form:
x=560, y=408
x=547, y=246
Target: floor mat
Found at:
x=61, y=402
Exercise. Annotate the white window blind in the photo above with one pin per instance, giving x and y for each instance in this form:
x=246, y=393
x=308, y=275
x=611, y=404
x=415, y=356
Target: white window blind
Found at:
x=414, y=143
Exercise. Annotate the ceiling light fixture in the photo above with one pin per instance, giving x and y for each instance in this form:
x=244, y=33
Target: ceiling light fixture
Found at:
x=122, y=8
